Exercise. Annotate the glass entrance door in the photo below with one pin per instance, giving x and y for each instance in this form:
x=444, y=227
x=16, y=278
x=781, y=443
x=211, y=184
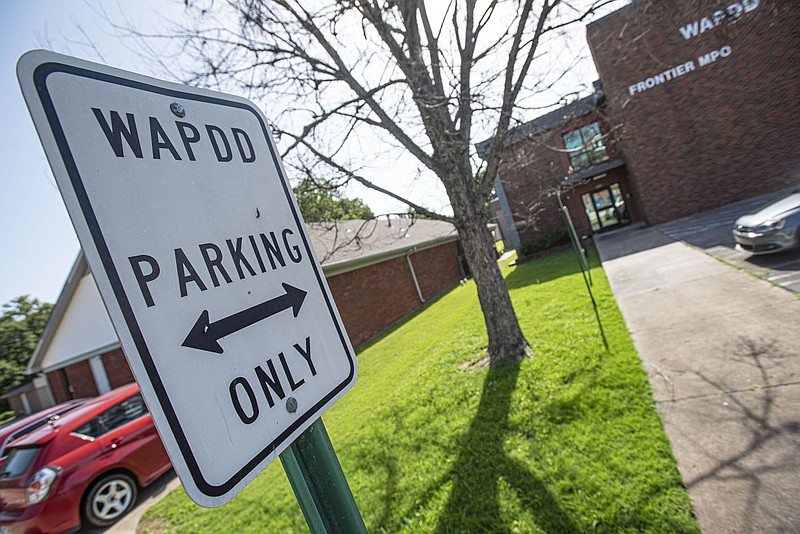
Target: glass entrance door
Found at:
x=606, y=208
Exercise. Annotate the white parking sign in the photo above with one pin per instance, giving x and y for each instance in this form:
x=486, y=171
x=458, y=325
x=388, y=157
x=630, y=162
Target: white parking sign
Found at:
x=188, y=223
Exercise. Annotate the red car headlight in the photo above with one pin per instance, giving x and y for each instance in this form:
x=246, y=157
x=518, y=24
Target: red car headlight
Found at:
x=39, y=486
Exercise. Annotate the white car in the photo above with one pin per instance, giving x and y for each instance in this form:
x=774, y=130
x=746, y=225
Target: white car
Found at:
x=772, y=229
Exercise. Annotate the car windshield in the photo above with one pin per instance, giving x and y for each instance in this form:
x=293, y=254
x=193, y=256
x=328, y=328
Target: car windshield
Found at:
x=19, y=460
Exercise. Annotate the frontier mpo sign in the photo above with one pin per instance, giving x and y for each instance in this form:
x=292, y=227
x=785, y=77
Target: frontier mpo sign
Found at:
x=732, y=13
x=196, y=244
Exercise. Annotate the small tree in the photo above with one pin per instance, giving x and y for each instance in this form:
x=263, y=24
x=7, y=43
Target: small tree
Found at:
x=390, y=72
x=319, y=202
x=21, y=325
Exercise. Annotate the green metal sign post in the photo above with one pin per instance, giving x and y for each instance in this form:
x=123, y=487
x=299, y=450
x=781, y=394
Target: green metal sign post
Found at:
x=320, y=485
x=583, y=263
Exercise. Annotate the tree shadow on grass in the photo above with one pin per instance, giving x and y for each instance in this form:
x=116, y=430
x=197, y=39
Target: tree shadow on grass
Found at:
x=481, y=472
x=478, y=485
x=482, y=465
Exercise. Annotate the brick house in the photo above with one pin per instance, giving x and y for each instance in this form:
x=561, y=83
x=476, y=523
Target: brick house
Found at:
x=379, y=272
x=696, y=107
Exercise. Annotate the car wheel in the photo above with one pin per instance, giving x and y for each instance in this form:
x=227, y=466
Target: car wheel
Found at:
x=109, y=499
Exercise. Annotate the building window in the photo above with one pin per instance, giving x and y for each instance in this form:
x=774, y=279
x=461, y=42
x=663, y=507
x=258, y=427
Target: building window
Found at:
x=586, y=147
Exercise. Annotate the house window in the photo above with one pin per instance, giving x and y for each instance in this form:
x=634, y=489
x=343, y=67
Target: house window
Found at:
x=585, y=146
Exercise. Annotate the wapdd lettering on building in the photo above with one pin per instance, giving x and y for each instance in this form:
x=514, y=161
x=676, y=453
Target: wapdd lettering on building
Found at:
x=731, y=12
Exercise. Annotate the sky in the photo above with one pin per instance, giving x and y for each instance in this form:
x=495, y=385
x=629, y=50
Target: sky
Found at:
x=37, y=244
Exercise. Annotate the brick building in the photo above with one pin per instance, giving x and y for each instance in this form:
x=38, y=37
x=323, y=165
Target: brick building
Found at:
x=697, y=106
x=572, y=152
x=381, y=271
x=378, y=273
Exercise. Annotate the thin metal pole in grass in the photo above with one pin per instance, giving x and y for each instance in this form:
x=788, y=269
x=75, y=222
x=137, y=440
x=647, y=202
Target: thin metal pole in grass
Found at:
x=320, y=485
x=583, y=257
x=583, y=263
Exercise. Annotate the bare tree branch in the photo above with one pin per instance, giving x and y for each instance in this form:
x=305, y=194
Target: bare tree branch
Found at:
x=406, y=74
x=371, y=185
x=343, y=73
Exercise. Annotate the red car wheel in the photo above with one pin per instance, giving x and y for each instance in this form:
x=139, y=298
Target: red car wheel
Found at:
x=110, y=498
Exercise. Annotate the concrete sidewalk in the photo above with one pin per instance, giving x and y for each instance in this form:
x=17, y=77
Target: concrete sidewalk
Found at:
x=722, y=352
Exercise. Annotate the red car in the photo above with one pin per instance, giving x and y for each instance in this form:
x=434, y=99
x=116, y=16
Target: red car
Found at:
x=86, y=465
x=18, y=428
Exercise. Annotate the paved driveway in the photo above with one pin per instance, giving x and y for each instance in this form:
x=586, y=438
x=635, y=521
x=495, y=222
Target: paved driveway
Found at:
x=711, y=232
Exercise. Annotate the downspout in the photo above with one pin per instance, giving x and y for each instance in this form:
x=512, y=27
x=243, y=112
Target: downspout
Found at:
x=414, y=276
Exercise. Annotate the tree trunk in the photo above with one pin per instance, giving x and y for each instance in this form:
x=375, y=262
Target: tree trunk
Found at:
x=506, y=342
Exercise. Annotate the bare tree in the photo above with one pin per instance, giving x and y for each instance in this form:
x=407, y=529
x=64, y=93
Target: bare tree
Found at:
x=401, y=74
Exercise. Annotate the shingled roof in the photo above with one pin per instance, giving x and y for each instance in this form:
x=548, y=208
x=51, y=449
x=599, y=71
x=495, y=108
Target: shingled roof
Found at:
x=346, y=245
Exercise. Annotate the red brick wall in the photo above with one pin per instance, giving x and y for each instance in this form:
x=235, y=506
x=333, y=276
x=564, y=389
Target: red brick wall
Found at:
x=530, y=172
x=58, y=386
x=117, y=368
x=437, y=269
x=79, y=377
x=369, y=299
x=719, y=133
x=374, y=297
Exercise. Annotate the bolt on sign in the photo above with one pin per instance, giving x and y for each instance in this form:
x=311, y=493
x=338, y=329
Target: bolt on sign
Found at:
x=199, y=251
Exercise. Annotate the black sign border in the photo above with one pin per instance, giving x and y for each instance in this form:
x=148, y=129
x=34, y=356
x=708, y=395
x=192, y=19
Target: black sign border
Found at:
x=40, y=76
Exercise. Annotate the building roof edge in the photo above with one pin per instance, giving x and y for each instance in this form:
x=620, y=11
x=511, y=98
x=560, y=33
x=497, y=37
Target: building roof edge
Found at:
x=613, y=13
x=79, y=267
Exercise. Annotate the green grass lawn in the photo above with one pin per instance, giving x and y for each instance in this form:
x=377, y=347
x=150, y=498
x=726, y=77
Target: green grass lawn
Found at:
x=568, y=441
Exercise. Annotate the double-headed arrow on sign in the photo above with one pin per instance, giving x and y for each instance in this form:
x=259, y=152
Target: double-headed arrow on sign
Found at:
x=205, y=335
